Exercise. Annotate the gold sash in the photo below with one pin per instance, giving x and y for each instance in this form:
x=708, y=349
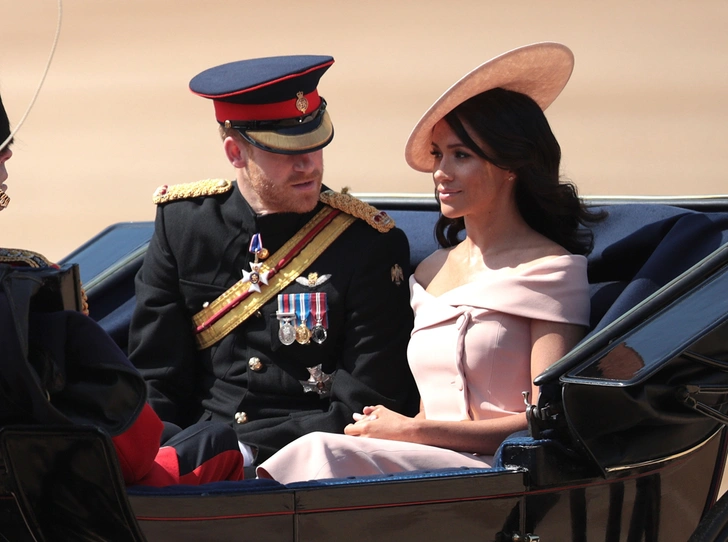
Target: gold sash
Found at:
x=224, y=314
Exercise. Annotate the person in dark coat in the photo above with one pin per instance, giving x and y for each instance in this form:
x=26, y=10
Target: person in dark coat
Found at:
x=245, y=312
x=59, y=367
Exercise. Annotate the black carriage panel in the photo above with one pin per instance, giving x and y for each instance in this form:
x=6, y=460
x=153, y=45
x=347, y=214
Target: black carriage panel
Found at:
x=63, y=483
x=253, y=510
x=626, y=404
x=443, y=505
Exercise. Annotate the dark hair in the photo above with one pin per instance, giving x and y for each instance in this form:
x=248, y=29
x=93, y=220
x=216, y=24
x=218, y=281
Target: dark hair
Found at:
x=4, y=123
x=513, y=126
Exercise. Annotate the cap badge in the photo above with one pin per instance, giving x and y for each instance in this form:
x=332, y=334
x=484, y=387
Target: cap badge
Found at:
x=301, y=102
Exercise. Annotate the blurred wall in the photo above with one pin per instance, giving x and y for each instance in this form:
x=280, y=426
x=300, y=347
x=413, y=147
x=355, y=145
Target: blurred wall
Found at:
x=645, y=111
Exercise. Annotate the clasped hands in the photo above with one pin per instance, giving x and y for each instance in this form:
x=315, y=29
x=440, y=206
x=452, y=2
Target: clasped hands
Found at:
x=379, y=422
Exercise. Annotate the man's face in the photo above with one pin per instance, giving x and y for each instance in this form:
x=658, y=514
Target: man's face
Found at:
x=281, y=183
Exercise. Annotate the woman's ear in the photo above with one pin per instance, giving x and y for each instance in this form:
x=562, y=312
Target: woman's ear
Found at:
x=235, y=151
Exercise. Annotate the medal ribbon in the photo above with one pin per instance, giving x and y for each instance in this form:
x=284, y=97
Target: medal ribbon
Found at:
x=303, y=309
x=256, y=244
x=285, y=260
x=318, y=310
x=230, y=309
x=284, y=303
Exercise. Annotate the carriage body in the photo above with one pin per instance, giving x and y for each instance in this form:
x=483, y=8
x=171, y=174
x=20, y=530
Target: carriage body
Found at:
x=626, y=441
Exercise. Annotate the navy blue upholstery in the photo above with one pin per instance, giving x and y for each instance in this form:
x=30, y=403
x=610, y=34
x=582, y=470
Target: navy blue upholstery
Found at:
x=642, y=247
x=409, y=475
x=215, y=488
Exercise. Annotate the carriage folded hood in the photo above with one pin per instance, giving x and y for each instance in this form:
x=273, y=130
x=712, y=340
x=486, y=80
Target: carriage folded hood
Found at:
x=659, y=346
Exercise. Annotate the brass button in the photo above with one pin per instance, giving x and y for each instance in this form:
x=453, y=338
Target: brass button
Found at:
x=241, y=417
x=255, y=364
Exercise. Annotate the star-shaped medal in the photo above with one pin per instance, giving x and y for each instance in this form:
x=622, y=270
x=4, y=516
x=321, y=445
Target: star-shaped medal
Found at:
x=319, y=381
x=255, y=277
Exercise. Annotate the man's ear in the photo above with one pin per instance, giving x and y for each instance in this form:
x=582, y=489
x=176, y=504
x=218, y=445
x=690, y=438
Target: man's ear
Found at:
x=236, y=152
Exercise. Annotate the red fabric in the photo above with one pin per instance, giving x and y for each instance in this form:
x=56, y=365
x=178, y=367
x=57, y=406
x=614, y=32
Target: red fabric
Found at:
x=224, y=466
x=137, y=447
x=165, y=471
x=275, y=111
x=143, y=462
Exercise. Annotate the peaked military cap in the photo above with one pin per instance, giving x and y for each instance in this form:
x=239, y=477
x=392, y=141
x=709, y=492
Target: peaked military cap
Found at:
x=273, y=102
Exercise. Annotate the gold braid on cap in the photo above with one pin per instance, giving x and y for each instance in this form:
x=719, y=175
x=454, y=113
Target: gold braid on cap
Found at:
x=379, y=220
x=208, y=187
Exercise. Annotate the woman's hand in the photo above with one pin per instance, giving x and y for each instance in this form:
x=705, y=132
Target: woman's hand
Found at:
x=380, y=422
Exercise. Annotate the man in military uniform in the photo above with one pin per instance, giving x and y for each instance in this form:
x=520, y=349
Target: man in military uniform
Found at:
x=271, y=303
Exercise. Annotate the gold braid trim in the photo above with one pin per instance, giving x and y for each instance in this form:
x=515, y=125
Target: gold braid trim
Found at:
x=379, y=220
x=208, y=187
x=25, y=257
x=4, y=199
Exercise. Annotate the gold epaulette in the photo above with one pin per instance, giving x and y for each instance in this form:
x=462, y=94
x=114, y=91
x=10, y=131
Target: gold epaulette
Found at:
x=27, y=258
x=379, y=220
x=208, y=187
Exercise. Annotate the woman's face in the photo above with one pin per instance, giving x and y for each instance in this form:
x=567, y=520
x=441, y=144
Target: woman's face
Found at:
x=465, y=183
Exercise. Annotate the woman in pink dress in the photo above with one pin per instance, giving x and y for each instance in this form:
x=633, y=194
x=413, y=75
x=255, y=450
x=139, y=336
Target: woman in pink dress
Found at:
x=493, y=308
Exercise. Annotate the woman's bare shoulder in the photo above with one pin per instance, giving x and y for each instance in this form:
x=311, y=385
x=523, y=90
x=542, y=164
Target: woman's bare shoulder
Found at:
x=430, y=266
x=540, y=250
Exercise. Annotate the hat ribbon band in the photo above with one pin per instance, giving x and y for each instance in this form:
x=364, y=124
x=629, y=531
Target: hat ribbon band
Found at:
x=257, y=112
x=265, y=125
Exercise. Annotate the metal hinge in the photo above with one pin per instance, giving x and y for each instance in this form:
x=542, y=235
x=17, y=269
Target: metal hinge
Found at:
x=525, y=538
x=688, y=393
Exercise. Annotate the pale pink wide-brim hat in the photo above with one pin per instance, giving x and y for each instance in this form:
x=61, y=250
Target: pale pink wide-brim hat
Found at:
x=540, y=70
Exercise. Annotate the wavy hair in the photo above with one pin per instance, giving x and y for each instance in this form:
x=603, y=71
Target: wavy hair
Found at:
x=513, y=126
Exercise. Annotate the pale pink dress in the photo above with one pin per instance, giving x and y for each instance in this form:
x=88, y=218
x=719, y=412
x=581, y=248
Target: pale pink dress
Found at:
x=470, y=355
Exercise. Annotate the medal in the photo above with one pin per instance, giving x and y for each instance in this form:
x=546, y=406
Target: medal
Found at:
x=256, y=248
x=318, y=311
x=256, y=276
x=287, y=332
x=318, y=381
x=303, y=334
x=286, y=319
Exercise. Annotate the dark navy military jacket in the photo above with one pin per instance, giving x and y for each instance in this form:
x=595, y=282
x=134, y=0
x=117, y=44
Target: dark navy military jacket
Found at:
x=249, y=378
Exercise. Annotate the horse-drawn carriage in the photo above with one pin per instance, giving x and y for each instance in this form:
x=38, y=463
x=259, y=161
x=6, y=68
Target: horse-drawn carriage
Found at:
x=625, y=443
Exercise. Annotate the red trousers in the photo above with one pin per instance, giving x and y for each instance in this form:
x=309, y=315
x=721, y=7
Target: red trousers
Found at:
x=202, y=453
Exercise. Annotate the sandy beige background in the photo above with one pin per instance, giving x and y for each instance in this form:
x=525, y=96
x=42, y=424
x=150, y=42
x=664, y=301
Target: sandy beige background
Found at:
x=646, y=111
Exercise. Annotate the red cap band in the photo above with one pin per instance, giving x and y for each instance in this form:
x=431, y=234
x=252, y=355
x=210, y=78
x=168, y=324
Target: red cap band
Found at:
x=276, y=111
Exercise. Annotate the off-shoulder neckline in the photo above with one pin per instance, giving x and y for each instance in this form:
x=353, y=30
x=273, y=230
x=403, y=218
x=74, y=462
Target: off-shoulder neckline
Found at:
x=520, y=271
